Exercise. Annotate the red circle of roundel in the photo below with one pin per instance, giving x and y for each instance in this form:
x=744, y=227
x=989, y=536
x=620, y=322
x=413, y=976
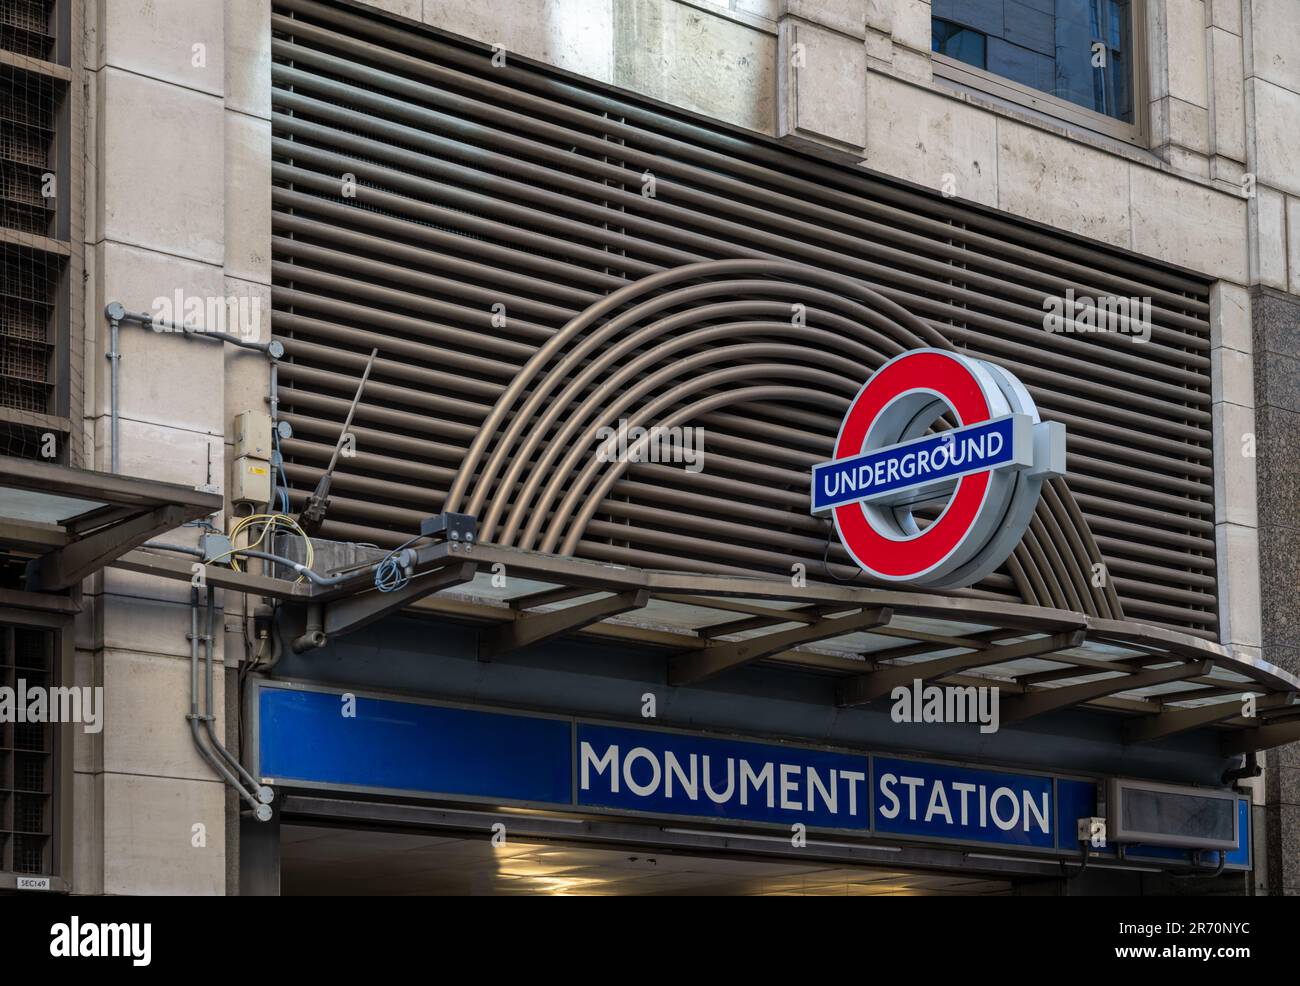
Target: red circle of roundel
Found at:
x=915, y=556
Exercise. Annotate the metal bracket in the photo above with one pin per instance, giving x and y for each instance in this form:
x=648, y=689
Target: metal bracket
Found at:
x=451, y=526
x=1172, y=721
x=534, y=628
x=865, y=688
x=1260, y=738
x=1021, y=707
x=713, y=658
x=347, y=614
x=71, y=563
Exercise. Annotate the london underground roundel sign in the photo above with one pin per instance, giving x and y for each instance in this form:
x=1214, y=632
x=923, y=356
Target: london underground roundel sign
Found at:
x=987, y=468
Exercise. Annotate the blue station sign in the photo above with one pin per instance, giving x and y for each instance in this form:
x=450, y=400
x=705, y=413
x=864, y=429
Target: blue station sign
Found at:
x=643, y=770
x=962, y=804
x=310, y=738
x=340, y=740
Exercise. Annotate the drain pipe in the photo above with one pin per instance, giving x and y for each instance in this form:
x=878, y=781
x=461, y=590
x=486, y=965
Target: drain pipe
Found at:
x=261, y=810
x=314, y=635
x=116, y=313
x=264, y=794
x=260, y=800
x=1250, y=767
x=114, y=357
x=277, y=642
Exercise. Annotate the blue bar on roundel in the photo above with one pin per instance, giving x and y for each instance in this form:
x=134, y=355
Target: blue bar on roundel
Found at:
x=912, y=465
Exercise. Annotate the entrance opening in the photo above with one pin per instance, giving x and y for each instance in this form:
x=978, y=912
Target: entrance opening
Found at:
x=316, y=860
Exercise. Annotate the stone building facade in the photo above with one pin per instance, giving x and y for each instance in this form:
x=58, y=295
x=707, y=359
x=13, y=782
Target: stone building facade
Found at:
x=175, y=186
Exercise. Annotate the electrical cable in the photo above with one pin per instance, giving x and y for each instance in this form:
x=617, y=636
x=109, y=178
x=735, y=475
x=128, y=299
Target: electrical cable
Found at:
x=282, y=486
x=269, y=523
x=826, y=554
x=389, y=575
x=1204, y=873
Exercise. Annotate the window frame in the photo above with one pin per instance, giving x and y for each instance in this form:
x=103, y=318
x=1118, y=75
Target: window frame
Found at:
x=989, y=83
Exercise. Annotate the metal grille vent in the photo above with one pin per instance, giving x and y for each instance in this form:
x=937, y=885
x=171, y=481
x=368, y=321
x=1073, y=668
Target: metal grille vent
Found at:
x=28, y=297
x=26, y=756
x=416, y=186
x=25, y=28
x=33, y=131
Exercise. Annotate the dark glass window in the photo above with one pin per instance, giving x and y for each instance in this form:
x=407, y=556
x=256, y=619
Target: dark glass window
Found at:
x=1076, y=50
x=959, y=42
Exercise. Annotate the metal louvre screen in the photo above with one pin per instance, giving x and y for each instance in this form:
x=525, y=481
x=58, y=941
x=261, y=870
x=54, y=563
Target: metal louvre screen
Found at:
x=416, y=186
x=28, y=119
x=39, y=378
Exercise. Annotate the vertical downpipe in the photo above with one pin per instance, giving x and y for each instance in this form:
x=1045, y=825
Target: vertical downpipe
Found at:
x=209, y=716
x=258, y=802
x=194, y=664
x=114, y=357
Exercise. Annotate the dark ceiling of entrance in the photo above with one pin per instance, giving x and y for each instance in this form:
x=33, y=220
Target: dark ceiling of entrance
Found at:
x=335, y=861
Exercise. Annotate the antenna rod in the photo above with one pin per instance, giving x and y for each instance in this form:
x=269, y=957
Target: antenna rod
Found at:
x=313, y=513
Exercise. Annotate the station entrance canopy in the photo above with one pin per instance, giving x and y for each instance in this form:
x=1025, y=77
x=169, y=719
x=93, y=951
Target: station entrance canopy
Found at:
x=61, y=524
x=873, y=640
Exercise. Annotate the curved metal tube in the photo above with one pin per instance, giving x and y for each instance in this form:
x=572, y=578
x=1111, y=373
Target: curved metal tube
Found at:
x=770, y=391
x=469, y=465
x=1035, y=568
x=613, y=385
x=608, y=357
x=618, y=299
x=1071, y=553
x=614, y=326
x=1071, y=510
x=661, y=405
x=522, y=459
x=632, y=382
x=1016, y=569
x=556, y=478
x=592, y=502
x=1052, y=573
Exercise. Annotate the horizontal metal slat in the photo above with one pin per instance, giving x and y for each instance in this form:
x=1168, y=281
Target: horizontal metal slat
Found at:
x=632, y=122
x=479, y=184
x=434, y=125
